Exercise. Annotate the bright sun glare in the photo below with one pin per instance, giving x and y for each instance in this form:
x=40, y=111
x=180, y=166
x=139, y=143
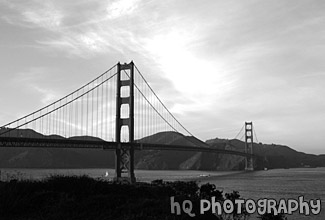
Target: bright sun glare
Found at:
x=192, y=76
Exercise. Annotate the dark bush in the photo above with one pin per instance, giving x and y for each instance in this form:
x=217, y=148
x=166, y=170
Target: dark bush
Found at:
x=81, y=197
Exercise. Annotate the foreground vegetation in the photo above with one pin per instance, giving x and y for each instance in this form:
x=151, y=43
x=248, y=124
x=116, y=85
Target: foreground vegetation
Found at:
x=82, y=197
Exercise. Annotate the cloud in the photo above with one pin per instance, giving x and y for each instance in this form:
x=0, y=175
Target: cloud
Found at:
x=45, y=15
x=48, y=95
x=81, y=45
x=82, y=38
x=42, y=14
x=36, y=80
x=121, y=8
x=89, y=44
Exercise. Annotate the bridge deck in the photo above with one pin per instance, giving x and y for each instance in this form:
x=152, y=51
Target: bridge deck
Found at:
x=106, y=145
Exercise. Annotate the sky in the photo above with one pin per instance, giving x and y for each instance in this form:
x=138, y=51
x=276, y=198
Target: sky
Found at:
x=224, y=62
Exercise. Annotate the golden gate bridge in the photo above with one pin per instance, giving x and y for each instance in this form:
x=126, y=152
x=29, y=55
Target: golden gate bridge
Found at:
x=118, y=110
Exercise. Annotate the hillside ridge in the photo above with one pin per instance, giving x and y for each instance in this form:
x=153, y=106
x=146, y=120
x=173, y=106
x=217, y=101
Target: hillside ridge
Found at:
x=270, y=155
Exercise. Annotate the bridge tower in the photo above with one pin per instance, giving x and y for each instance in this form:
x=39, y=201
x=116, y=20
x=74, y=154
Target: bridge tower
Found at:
x=249, y=163
x=124, y=155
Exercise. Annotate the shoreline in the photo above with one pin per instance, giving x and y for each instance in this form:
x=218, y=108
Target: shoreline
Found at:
x=141, y=175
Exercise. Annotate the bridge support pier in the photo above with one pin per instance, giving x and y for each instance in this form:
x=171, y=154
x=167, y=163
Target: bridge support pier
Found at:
x=124, y=155
x=249, y=162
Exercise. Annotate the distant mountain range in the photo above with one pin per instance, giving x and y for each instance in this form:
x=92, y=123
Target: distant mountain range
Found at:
x=271, y=155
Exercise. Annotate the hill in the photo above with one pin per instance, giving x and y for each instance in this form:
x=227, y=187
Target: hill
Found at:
x=274, y=155
x=51, y=157
x=271, y=156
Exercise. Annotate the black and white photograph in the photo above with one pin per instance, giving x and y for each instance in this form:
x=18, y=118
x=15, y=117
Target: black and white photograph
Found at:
x=176, y=109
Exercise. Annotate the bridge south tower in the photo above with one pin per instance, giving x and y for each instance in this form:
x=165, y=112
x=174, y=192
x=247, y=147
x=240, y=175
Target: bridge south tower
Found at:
x=124, y=155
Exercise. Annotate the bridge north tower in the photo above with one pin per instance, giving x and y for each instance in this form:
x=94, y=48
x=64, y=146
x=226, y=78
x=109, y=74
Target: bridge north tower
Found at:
x=249, y=163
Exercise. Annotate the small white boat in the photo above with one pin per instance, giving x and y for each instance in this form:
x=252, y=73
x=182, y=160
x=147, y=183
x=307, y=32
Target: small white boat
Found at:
x=204, y=175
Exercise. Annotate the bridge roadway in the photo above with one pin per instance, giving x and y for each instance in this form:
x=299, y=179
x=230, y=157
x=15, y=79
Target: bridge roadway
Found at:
x=107, y=145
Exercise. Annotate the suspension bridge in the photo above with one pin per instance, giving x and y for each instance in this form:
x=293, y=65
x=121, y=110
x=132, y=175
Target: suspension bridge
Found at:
x=119, y=111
